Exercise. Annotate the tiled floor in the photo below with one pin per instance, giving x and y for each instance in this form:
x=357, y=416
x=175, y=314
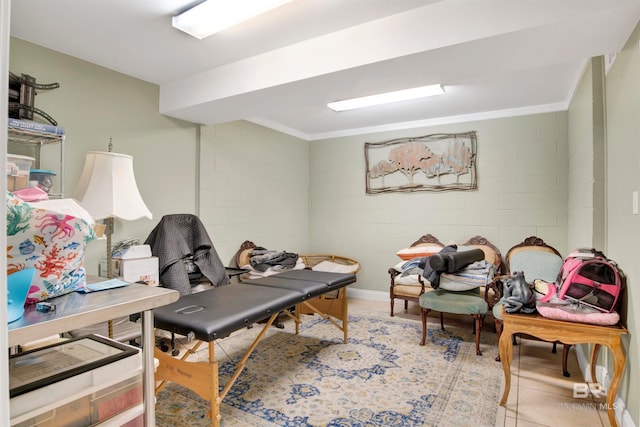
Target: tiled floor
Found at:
x=540, y=395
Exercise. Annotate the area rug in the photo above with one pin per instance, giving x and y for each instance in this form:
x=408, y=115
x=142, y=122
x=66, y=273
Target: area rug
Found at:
x=381, y=377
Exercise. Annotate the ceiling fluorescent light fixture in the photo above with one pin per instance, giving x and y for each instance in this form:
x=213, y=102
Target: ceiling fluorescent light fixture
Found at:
x=212, y=16
x=387, y=98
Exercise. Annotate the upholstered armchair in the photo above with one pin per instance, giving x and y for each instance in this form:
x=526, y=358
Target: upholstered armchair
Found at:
x=408, y=286
x=463, y=292
x=537, y=260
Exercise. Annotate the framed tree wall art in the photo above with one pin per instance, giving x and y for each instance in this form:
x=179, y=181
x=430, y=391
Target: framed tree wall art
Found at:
x=437, y=162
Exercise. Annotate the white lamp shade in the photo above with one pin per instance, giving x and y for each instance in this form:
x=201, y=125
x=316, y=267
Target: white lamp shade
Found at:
x=107, y=187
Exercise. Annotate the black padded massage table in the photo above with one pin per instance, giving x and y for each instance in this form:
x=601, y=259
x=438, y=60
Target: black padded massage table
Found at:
x=323, y=295
x=218, y=312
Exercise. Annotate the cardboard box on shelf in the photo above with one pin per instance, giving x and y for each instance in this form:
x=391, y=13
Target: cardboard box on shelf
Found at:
x=18, y=182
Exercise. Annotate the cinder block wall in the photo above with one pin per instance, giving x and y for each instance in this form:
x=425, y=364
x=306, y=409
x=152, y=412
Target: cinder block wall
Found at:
x=522, y=191
x=254, y=185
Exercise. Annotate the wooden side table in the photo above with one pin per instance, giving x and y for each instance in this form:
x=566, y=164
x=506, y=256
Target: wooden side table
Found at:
x=567, y=333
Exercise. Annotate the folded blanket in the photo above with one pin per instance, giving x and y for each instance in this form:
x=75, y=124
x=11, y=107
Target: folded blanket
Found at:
x=411, y=267
x=476, y=274
x=262, y=259
x=254, y=274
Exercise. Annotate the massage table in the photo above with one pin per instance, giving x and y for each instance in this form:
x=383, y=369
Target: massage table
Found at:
x=218, y=312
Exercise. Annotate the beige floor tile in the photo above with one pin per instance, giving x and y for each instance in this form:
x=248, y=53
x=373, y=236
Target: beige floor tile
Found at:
x=541, y=370
x=604, y=417
x=556, y=409
x=501, y=417
x=512, y=399
x=523, y=423
x=535, y=352
x=530, y=385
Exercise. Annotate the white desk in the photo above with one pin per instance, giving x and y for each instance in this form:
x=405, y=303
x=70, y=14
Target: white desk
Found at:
x=77, y=310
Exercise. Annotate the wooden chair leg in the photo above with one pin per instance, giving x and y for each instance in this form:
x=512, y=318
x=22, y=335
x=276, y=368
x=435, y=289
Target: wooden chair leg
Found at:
x=478, y=324
x=565, y=356
x=498, y=324
x=554, y=349
x=481, y=324
x=424, y=313
x=406, y=305
x=441, y=321
x=392, y=303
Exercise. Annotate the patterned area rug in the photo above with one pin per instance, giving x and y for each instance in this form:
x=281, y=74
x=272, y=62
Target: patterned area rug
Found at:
x=382, y=377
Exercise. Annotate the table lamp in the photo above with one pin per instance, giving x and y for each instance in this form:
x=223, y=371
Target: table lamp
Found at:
x=107, y=189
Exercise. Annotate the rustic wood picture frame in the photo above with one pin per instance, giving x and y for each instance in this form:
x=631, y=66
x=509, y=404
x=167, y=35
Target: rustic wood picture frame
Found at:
x=436, y=162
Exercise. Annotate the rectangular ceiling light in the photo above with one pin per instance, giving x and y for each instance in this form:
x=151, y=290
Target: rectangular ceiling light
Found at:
x=212, y=16
x=386, y=98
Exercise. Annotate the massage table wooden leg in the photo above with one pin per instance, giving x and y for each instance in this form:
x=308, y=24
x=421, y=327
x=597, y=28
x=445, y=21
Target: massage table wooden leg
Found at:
x=337, y=307
x=202, y=377
x=187, y=353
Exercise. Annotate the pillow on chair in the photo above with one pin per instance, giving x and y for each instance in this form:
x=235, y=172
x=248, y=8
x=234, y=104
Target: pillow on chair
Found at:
x=334, y=267
x=419, y=251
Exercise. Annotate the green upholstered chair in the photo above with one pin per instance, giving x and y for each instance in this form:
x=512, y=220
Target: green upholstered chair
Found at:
x=537, y=260
x=475, y=302
x=455, y=302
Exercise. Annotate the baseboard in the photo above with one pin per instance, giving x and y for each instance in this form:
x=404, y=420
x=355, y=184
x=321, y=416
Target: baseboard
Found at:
x=367, y=295
x=604, y=378
x=583, y=362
